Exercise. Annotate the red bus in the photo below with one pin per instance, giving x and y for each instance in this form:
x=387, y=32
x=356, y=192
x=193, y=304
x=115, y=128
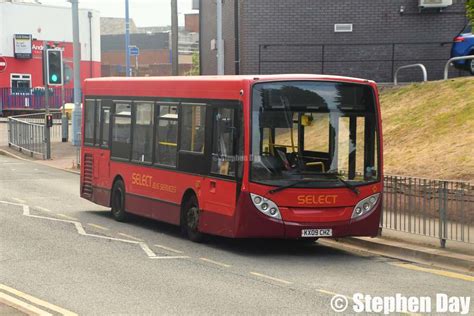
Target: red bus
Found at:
x=267, y=156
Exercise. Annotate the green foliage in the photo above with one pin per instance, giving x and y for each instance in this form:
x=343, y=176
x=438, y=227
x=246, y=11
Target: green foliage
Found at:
x=470, y=10
x=195, y=68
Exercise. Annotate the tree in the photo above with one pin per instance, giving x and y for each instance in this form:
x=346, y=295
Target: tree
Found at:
x=470, y=10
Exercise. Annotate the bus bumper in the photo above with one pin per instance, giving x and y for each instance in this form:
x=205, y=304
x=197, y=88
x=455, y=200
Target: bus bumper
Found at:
x=250, y=223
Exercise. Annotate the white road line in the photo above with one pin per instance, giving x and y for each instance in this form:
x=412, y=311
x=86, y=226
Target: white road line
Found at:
x=270, y=278
x=22, y=306
x=18, y=200
x=81, y=231
x=169, y=249
x=129, y=236
x=98, y=226
x=37, y=301
x=42, y=209
x=169, y=257
x=216, y=263
x=67, y=217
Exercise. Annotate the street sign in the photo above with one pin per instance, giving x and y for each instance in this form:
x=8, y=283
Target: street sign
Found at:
x=134, y=50
x=3, y=64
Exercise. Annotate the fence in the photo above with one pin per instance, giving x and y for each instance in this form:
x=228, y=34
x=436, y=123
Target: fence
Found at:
x=33, y=99
x=27, y=132
x=434, y=208
x=377, y=61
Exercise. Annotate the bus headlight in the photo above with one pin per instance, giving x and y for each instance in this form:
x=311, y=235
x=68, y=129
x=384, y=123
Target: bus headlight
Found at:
x=365, y=206
x=266, y=206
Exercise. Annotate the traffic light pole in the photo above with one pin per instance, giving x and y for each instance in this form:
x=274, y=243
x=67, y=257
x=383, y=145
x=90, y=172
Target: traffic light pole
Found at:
x=76, y=113
x=47, y=131
x=64, y=121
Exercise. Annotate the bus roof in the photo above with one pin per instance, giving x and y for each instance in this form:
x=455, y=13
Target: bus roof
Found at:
x=226, y=87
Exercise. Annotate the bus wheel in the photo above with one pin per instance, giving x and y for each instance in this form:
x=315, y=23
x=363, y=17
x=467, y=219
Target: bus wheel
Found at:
x=191, y=220
x=118, y=201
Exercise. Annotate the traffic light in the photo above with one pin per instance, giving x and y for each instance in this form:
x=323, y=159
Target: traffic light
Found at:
x=54, y=67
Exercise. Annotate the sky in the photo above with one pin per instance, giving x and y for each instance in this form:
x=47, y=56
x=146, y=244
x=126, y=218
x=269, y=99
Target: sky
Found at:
x=143, y=12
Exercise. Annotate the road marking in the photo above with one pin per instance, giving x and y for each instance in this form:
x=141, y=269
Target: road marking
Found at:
x=169, y=257
x=37, y=301
x=67, y=217
x=216, y=262
x=131, y=237
x=98, y=226
x=81, y=231
x=448, y=274
x=43, y=209
x=22, y=306
x=169, y=249
x=19, y=200
x=270, y=278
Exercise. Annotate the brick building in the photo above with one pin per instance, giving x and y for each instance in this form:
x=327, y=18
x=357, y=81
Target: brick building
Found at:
x=361, y=38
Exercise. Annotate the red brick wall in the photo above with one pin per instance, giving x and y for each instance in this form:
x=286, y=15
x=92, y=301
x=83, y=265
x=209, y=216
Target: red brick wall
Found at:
x=191, y=22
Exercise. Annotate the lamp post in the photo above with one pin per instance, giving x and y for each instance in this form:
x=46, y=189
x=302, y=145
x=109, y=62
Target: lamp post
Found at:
x=127, y=41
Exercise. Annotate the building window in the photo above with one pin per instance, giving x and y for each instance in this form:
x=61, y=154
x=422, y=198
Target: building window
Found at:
x=89, y=122
x=192, y=128
x=20, y=83
x=166, y=135
x=121, y=131
x=142, y=148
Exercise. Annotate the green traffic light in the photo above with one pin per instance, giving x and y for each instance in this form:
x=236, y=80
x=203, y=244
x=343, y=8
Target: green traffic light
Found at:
x=54, y=78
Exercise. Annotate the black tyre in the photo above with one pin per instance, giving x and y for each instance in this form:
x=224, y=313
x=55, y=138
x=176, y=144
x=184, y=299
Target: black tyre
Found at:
x=470, y=64
x=190, y=220
x=118, y=202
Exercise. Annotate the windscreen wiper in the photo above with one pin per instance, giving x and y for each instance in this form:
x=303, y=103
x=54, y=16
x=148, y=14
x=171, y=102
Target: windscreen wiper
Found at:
x=283, y=187
x=347, y=184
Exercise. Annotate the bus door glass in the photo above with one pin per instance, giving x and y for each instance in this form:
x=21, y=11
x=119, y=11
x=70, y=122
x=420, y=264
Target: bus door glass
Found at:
x=221, y=186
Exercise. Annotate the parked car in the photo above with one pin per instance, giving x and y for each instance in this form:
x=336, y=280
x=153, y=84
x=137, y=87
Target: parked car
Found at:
x=463, y=45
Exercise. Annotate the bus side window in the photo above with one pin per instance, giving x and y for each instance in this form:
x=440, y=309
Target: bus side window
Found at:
x=166, y=135
x=142, y=147
x=105, y=123
x=193, y=128
x=89, y=122
x=223, y=147
x=97, y=119
x=121, y=123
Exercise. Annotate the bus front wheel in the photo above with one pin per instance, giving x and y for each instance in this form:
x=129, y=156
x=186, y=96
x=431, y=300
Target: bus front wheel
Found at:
x=118, y=202
x=191, y=220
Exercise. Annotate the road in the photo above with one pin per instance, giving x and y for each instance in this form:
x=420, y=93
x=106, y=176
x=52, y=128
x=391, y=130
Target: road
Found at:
x=69, y=252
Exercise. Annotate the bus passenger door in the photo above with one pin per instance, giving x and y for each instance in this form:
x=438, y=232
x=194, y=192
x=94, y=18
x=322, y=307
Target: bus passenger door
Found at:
x=220, y=187
x=104, y=142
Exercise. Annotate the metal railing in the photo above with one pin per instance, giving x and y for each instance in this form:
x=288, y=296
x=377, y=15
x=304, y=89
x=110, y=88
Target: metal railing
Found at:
x=351, y=58
x=448, y=63
x=27, y=132
x=434, y=208
x=33, y=98
x=423, y=69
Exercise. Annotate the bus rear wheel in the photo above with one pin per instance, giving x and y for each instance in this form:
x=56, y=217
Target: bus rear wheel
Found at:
x=118, y=202
x=191, y=220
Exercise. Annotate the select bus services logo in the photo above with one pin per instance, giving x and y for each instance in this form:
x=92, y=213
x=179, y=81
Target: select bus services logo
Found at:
x=364, y=303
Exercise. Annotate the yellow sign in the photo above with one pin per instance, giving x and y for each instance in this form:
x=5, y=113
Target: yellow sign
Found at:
x=146, y=181
x=317, y=199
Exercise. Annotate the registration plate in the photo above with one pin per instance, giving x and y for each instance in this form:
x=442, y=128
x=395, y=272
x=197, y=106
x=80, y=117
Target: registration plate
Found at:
x=319, y=232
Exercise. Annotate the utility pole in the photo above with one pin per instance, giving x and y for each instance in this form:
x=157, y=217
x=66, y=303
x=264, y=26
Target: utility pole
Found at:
x=219, y=40
x=64, y=121
x=47, y=131
x=76, y=112
x=174, y=38
x=127, y=41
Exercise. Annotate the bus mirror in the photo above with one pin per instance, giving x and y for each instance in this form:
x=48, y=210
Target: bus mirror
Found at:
x=306, y=120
